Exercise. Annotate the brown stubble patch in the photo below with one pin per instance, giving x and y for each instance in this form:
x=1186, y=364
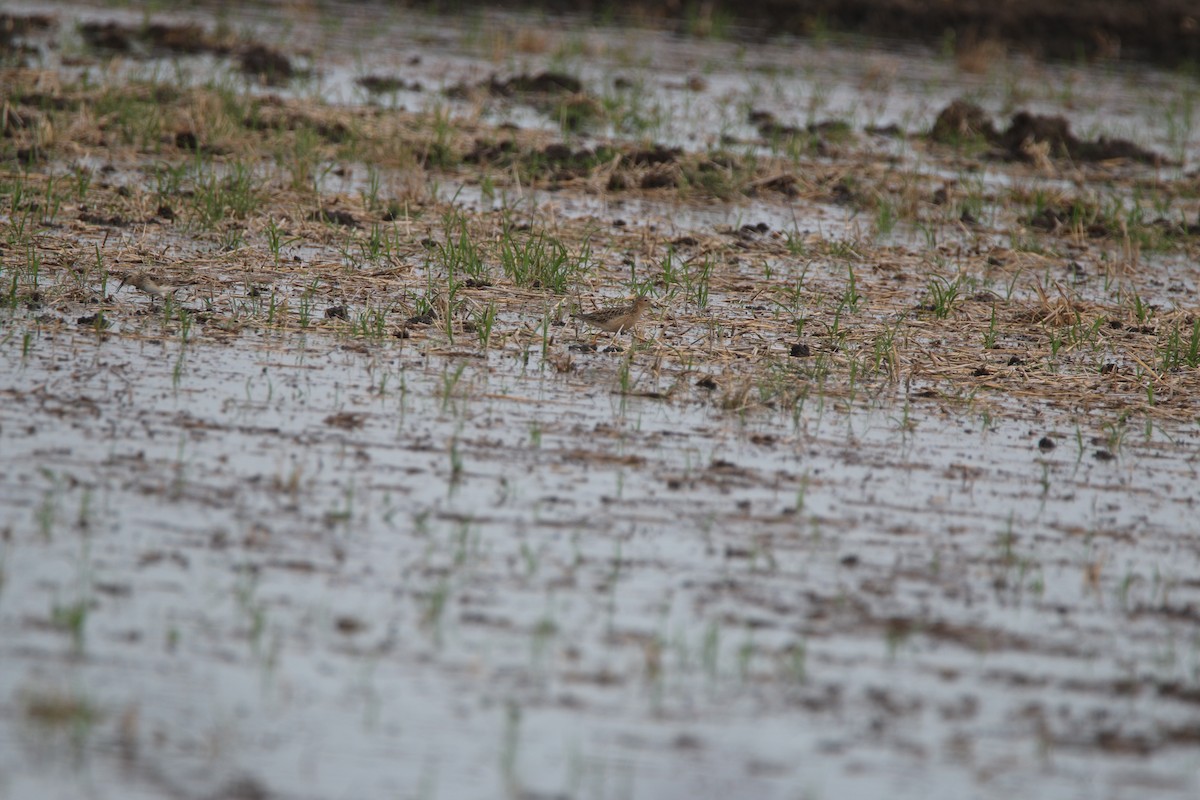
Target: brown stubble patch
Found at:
x=1044, y=341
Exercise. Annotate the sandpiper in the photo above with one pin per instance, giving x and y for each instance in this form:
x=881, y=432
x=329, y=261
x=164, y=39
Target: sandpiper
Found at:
x=617, y=318
x=141, y=280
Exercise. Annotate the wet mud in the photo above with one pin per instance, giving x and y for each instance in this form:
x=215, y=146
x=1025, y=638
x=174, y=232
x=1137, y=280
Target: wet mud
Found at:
x=1032, y=136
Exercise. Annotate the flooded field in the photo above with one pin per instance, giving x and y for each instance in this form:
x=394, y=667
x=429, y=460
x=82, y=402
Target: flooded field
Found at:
x=315, y=486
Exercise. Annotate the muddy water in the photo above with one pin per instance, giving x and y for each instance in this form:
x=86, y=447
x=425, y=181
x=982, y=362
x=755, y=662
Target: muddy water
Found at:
x=274, y=565
x=328, y=570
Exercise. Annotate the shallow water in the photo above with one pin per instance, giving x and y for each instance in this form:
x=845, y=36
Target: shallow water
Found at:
x=603, y=593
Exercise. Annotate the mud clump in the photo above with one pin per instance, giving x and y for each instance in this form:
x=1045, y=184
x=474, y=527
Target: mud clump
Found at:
x=22, y=25
x=1033, y=129
x=1031, y=137
x=560, y=162
x=1055, y=131
x=962, y=121
x=186, y=140
x=189, y=141
x=769, y=127
x=388, y=84
x=333, y=216
x=659, y=178
x=273, y=115
x=786, y=185
x=155, y=40
x=270, y=66
x=110, y=36
x=650, y=167
x=16, y=27
x=554, y=94
x=655, y=155
x=186, y=39
x=485, y=152
x=152, y=40
x=104, y=220
x=543, y=83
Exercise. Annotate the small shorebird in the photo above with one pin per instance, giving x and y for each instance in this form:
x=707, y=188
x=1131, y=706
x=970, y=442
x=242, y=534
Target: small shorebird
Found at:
x=617, y=318
x=141, y=280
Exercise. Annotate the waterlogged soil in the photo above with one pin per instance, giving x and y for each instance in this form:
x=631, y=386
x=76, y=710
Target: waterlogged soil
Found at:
x=313, y=487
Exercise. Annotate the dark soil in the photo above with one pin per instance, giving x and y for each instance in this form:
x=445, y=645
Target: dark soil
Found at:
x=152, y=40
x=1161, y=31
x=963, y=121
